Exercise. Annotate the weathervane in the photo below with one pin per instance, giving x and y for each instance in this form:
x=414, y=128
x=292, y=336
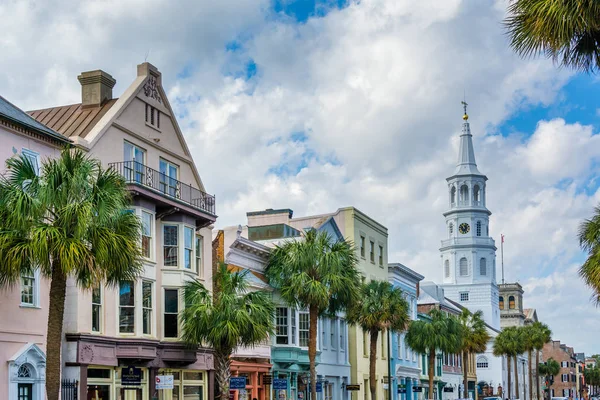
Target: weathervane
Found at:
x=464, y=104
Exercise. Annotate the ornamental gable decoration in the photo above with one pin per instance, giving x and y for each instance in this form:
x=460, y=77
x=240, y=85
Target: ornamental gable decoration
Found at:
x=151, y=89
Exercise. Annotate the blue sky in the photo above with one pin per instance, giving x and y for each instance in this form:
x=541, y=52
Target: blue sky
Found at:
x=316, y=105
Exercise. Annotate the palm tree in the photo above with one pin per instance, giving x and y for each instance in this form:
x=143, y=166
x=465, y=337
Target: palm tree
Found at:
x=549, y=369
x=68, y=222
x=567, y=31
x=518, y=349
x=232, y=316
x=505, y=344
x=529, y=345
x=589, y=240
x=541, y=335
x=442, y=333
x=317, y=273
x=474, y=340
x=382, y=308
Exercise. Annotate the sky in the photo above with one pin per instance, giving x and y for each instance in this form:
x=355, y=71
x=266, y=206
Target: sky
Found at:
x=315, y=105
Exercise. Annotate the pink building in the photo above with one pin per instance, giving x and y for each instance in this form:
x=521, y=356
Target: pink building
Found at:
x=23, y=308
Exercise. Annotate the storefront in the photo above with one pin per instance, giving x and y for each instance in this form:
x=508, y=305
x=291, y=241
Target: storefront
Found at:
x=126, y=369
x=254, y=373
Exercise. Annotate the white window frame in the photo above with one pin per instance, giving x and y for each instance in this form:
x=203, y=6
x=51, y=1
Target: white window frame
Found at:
x=482, y=363
x=323, y=326
x=118, y=316
x=463, y=296
x=303, y=314
x=35, y=276
x=342, y=334
x=178, y=246
x=380, y=256
x=372, y=251
x=332, y=333
x=363, y=245
x=192, y=258
x=25, y=152
x=149, y=308
x=168, y=176
x=100, y=306
x=198, y=252
x=142, y=212
x=483, y=266
x=460, y=266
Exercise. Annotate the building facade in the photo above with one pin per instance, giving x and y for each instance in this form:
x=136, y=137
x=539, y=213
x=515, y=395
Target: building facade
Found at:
x=565, y=383
x=24, y=306
x=468, y=254
x=404, y=362
x=110, y=330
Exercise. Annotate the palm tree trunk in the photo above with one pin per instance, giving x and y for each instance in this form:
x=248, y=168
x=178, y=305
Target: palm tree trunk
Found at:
x=222, y=373
x=431, y=372
x=516, y=361
x=56, y=312
x=312, y=350
x=372, y=364
x=529, y=360
x=537, y=373
x=508, y=393
x=465, y=362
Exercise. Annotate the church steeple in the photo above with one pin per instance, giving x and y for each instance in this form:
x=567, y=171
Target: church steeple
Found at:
x=466, y=154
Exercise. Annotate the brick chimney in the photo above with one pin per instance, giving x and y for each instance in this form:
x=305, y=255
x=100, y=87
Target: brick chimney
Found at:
x=96, y=88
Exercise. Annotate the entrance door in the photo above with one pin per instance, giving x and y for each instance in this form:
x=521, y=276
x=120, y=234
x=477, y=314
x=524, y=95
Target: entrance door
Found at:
x=25, y=391
x=130, y=394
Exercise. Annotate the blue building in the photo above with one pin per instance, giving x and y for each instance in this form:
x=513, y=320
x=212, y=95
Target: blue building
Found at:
x=404, y=363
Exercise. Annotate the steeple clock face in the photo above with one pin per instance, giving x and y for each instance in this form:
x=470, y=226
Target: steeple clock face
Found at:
x=464, y=228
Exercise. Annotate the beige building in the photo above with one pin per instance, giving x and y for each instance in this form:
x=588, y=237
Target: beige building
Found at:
x=136, y=324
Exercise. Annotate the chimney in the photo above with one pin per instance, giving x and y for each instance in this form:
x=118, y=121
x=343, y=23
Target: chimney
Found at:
x=96, y=88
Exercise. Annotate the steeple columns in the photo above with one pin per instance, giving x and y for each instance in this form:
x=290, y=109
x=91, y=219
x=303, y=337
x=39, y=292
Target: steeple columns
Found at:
x=466, y=192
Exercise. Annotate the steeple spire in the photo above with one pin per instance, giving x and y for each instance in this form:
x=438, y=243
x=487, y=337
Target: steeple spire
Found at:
x=466, y=155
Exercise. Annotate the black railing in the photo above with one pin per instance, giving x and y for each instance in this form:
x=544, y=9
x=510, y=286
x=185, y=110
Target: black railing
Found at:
x=69, y=389
x=138, y=173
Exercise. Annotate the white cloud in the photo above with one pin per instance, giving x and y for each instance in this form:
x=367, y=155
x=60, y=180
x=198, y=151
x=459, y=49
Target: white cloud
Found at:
x=376, y=90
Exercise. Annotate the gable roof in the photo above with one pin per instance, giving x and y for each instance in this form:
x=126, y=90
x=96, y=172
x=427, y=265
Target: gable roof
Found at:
x=14, y=114
x=72, y=120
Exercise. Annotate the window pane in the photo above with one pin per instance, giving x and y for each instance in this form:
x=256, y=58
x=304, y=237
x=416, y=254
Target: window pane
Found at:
x=171, y=325
x=281, y=321
x=147, y=294
x=170, y=235
x=188, y=238
x=192, y=376
x=198, y=254
x=128, y=151
x=168, y=394
x=126, y=320
x=171, y=301
x=303, y=327
x=147, y=307
x=192, y=392
x=98, y=392
x=98, y=373
x=126, y=295
x=27, y=289
x=96, y=295
x=171, y=248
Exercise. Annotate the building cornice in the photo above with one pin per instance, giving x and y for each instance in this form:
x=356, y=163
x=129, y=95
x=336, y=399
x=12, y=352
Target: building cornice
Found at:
x=22, y=130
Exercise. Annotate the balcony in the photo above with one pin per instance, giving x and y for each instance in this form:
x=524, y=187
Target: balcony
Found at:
x=143, y=176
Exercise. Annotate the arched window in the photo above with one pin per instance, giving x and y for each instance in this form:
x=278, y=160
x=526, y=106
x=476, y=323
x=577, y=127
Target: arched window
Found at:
x=476, y=194
x=464, y=194
x=447, y=269
x=450, y=228
x=464, y=267
x=482, y=362
x=453, y=195
x=482, y=267
x=487, y=230
x=478, y=228
x=24, y=372
x=501, y=303
x=511, y=302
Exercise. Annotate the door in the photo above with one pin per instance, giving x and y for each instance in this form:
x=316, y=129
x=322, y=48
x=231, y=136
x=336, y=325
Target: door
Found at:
x=25, y=391
x=168, y=178
x=134, y=167
x=130, y=394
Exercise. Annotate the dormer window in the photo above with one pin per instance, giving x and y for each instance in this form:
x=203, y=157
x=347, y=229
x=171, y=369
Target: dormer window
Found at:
x=152, y=116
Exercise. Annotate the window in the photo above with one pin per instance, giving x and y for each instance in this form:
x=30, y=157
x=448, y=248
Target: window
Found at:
x=281, y=330
x=464, y=194
x=450, y=229
x=152, y=116
x=365, y=344
x=501, y=303
x=372, y=251
x=478, y=228
x=303, y=327
x=33, y=158
x=342, y=334
x=400, y=339
x=147, y=307
x=328, y=391
x=566, y=393
x=188, y=247
x=511, y=302
x=362, y=246
x=464, y=267
x=382, y=339
x=482, y=362
x=476, y=194
x=564, y=378
x=487, y=230
x=332, y=332
x=366, y=389
x=293, y=331
x=171, y=324
x=447, y=269
x=133, y=166
x=126, y=307
x=28, y=289
x=170, y=246
x=147, y=230
x=453, y=195
x=97, y=309
x=482, y=267
x=323, y=324
x=168, y=178
x=381, y=256
x=199, y=255
x=464, y=296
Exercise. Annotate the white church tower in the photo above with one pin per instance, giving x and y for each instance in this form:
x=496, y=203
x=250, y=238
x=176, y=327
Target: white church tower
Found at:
x=469, y=253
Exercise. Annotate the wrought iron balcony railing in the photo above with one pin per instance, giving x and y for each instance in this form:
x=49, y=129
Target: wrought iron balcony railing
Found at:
x=140, y=174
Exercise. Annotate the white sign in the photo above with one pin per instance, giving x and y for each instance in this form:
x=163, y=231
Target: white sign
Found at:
x=386, y=386
x=164, y=382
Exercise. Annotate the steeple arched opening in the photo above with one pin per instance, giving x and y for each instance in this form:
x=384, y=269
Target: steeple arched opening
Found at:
x=450, y=229
x=478, y=228
x=464, y=267
x=501, y=303
x=453, y=196
x=476, y=195
x=482, y=267
x=447, y=269
x=511, y=303
x=464, y=195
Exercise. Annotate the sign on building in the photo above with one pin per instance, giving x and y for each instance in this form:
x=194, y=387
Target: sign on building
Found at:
x=279, y=384
x=164, y=382
x=131, y=376
x=237, y=382
x=267, y=379
x=352, y=387
x=319, y=387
